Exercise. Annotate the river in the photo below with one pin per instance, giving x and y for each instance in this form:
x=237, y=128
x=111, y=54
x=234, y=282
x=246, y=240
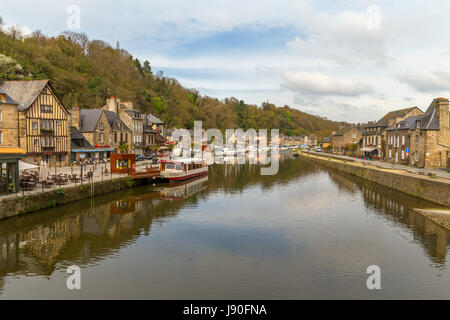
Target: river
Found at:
x=308, y=232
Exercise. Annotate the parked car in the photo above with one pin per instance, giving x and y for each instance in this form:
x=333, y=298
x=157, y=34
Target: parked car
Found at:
x=318, y=149
x=140, y=157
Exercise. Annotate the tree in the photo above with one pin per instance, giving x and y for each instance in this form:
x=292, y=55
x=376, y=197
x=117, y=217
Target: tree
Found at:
x=147, y=69
x=15, y=32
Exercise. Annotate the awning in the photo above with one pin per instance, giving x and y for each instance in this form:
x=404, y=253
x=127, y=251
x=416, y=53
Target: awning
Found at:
x=92, y=150
x=367, y=149
x=26, y=166
x=12, y=151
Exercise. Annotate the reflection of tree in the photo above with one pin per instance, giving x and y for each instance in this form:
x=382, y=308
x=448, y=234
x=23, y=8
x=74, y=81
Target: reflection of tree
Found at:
x=89, y=231
x=398, y=208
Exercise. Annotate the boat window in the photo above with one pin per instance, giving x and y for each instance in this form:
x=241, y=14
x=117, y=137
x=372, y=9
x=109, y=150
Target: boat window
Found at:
x=179, y=166
x=170, y=165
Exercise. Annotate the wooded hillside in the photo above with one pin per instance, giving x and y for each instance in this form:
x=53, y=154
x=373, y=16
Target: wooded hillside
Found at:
x=86, y=72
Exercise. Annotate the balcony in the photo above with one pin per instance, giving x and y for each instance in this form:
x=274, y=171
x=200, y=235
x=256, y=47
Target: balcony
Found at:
x=46, y=131
x=48, y=149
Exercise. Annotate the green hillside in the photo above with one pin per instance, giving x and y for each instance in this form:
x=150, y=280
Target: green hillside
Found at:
x=86, y=72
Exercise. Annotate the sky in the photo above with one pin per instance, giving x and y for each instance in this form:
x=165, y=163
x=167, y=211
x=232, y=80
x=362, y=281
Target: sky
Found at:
x=352, y=60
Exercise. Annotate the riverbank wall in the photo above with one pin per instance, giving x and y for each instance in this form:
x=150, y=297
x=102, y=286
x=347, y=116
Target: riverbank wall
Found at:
x=18, y=205
x=433, y=189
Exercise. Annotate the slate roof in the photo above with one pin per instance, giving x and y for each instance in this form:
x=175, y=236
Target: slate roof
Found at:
x=89, y=119
x=430, y=119
x=77, y=140
x=134, y=114
x=408, y=123
x=24, y=92
x=8, y=99
x=384, y=122
x=152, y=119
x=114, y=121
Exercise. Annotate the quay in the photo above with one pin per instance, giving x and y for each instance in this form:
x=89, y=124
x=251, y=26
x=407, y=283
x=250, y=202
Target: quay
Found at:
x=430, y=187
x=56, y=195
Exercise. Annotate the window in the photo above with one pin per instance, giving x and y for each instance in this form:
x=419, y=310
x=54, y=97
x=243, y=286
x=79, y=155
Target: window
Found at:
x=1, y=137
x=36, y=142
x=403, y=154
x=390, y=153
x=418, y=124
x=417, y=139
x=403, y=140
x=100, y=125
x=115, y=137
x=0, y=116
x=46, y=124
x=58, y=139
x=47, y=141
x=34, y=125
x=58, y=122
x=101, y=137
x=46, y=108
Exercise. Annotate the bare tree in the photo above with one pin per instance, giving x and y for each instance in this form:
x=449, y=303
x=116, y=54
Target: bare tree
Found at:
x=78, y=38
x=15, y=32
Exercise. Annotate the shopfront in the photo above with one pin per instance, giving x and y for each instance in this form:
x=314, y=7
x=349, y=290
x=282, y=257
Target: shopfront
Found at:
x=9, y=169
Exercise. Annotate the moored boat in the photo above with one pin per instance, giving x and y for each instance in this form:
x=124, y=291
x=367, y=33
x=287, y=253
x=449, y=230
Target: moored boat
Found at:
x=182, y=169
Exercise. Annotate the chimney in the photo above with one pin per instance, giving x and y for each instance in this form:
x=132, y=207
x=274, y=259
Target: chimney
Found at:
x=443, y=111
x=112, y=104
x=333, y=132
x=76, y=117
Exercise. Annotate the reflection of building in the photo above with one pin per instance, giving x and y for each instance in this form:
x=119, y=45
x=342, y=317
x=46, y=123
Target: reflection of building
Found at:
x=399, y=208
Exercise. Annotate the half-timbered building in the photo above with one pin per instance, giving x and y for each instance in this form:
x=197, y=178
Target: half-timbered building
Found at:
x=44, y=122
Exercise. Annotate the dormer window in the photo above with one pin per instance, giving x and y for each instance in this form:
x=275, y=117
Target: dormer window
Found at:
x=3, y=97
x=418, y=124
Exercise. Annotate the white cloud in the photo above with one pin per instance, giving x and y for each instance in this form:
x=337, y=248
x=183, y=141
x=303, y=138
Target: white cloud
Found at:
x=345, y=60
x=315, y=83
x=347, y=37
x=426, y=81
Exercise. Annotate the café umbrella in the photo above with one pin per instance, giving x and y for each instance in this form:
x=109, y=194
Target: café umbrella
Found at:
x=43, y=173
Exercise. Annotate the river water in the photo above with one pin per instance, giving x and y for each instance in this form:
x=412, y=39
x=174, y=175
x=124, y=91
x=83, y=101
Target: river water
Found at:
x=308, y=232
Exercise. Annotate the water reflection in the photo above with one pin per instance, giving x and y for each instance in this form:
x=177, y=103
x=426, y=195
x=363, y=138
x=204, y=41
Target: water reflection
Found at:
x=86, y=232
x=398, y=208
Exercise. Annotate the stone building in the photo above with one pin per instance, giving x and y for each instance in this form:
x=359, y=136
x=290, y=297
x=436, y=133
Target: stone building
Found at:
x=9, y=121
x=135, y=121
x=398, y=140
x=345, y=140
x=430, y=139
x=374, y=136
x=103, y=129
x=44, y=122
x=421, y=140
